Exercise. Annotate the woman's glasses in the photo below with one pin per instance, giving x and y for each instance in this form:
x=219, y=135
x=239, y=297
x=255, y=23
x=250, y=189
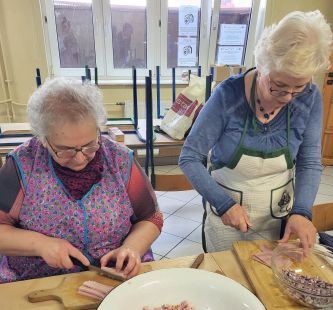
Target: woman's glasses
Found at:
x=71, y=152
x=282, y=93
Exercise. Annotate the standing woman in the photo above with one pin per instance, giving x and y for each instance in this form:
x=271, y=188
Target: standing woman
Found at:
x=263, y=129
x=71, y=193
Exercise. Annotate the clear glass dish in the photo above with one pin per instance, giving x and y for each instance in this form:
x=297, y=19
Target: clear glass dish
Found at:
x=306, y=279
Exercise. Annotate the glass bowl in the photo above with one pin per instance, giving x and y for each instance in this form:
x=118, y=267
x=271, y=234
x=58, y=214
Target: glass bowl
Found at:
x=306, y=279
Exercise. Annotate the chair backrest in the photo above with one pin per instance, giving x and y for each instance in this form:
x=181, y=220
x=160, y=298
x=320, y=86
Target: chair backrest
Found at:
x=322, y=216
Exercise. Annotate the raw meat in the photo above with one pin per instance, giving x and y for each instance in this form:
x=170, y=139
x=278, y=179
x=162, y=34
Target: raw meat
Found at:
x=94, y=289
x=184, y=305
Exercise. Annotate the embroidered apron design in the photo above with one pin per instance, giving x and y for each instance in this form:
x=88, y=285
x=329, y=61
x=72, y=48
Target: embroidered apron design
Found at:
x=262, y=183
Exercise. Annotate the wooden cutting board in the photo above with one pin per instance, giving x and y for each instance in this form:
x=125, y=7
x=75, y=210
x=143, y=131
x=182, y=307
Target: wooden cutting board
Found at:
x=261, y=277
x=66, y=291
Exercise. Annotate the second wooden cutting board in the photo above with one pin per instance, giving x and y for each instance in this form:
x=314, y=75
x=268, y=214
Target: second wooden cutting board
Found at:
x=261, y=277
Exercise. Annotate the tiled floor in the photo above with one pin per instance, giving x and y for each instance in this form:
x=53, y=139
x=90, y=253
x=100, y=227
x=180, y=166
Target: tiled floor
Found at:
x=181, y=234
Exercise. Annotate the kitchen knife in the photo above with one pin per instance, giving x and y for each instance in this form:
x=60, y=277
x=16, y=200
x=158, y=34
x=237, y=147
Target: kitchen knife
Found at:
x=249, y=228
x=102, y=271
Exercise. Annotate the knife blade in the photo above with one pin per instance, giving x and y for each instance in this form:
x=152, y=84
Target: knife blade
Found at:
x=249, y=228
x=198, y=261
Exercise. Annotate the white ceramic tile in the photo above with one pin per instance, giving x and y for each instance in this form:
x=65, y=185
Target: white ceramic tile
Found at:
x=196, y=235
x=328, y=170
x=326, y=179
x=185, y=248
x=322, y=199
x=157, y=257
x=165, y=243
x=165, y=215
x=197, y=200
x=191, y=211
x=325, y=189
x=179, y=226
x=159, y=193
x=185, y=196
x=169, y=205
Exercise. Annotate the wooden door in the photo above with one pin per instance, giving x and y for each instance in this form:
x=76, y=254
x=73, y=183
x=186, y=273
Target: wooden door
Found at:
x=327, y=135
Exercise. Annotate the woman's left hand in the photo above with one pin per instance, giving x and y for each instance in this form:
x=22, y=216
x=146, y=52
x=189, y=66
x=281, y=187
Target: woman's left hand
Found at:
x=124, y=256
x=303, y=229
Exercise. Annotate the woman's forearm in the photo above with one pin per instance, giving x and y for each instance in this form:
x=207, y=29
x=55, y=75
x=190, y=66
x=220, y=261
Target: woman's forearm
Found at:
x=142, y=235
x=19, y=242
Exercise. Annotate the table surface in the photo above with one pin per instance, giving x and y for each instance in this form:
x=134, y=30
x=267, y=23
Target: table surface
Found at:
x=131, y=139
x=14, y=295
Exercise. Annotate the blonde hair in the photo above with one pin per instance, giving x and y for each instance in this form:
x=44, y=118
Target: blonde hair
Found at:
x=299, y=45
x=62, y=100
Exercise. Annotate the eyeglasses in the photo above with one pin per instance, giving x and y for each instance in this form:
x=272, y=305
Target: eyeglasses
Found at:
x=70, y=153
x=282, y=93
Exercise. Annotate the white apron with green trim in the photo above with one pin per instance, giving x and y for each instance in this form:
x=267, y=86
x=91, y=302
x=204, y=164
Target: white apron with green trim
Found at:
x=262, y=183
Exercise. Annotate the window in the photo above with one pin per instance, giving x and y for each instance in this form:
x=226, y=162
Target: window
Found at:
x=129, y=34
x=115, y=35
x=183, y=33
x=234, y=21
x=75, y=35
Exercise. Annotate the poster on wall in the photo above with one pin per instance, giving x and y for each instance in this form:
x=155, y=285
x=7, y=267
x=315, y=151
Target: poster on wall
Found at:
x=188, y=20
x=187, y=52
x=229, y=55
x=232, y=34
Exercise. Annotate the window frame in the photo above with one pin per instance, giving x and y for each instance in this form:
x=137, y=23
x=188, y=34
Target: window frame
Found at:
x=157, y=19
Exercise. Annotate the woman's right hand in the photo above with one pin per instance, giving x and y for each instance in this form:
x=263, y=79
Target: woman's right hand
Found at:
x=56, y=253
x=236, y=217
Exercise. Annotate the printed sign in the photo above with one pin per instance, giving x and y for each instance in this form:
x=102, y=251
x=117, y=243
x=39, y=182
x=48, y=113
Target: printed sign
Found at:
x=229, y=55
x=187, y=52
x=232, y=34
x=188, y=20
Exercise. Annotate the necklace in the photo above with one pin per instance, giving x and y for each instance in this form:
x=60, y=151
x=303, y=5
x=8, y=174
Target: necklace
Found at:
x=264, y=112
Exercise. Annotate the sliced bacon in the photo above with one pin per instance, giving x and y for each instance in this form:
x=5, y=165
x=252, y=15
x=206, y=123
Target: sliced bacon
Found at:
x=265, y=255
x=113, y=271
x=88, y=295
x=87, y=291
x=94, y=289
x=105, y=289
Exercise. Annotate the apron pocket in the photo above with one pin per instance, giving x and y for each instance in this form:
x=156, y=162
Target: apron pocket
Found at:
x=282, y=200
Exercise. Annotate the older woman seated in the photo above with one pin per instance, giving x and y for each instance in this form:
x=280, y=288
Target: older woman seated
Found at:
x=71, y=193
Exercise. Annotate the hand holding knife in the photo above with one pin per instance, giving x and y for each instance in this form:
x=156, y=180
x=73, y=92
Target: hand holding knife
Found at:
x=105, y=271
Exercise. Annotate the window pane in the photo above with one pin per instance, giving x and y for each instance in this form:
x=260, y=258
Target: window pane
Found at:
x=183, y=33
x=75, y=31
x=129, y=33
x=234, y=21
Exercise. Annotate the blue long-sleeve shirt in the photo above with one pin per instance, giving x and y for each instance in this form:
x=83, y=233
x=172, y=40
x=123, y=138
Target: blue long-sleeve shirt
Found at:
x=219, y=127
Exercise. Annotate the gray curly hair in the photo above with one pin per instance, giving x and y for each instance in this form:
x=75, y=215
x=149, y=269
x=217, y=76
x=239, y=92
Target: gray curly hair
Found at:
x=299, y=45
x=62, y=100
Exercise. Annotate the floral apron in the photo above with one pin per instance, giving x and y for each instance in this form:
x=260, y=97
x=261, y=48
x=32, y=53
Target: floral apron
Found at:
x=95, y=224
